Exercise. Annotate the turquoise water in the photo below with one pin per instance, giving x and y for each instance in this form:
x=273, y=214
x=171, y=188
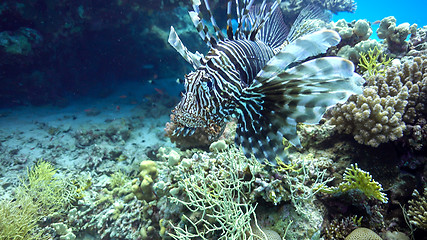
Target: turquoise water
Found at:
x=411, y=11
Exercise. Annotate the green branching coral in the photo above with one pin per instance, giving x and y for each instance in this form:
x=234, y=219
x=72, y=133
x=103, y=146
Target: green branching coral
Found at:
x=18, y=219
x=356, y=178
x=50, y=193
x=374, y=62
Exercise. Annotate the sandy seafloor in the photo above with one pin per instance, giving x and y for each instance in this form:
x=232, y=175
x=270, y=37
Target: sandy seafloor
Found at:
x=135, y=112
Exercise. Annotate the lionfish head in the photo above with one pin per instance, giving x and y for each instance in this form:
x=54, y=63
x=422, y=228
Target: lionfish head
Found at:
x=196, y=108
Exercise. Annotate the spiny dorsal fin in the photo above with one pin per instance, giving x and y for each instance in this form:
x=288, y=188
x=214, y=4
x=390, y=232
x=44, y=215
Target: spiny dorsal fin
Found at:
x=242, y=21
x=229, y=20
x=269, y=26
x=308, y=21
x=218, y=32
x=202, y=29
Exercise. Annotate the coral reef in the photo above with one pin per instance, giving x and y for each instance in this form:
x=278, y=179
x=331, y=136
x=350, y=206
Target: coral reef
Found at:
x=392, y=105
x=218, y=201
x=395, y=36
x=417, y=212
x=18, y=219
x=291, y=8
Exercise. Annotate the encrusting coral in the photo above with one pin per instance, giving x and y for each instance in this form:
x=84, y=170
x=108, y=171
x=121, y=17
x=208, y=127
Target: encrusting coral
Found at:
x=395, y=36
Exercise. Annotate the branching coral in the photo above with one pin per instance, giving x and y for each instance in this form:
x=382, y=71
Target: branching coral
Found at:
x=18, y=219
x=374, y=117
x=51, y=193
x=417, y=211
x=414, y=76
x=392, y=105
x=218, y=200
x=418, y=42
x=356, y=178
x=374, y=62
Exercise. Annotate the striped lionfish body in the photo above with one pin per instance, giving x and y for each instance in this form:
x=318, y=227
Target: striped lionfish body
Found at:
x=257, y=74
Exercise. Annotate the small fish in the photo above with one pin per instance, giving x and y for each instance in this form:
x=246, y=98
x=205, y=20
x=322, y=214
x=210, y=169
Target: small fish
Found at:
x=376, y=22
x=147, y=66
x=159, y=91
x=258, y=74
x=123, y=96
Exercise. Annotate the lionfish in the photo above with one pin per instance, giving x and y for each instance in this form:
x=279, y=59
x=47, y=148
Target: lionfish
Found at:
x=256, y=74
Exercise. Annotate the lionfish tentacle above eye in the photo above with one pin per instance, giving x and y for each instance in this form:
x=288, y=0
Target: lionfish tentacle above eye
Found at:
x=258, y=73
x=175, y=42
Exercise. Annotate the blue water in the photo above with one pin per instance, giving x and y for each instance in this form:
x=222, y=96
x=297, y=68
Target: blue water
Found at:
x=411, y=11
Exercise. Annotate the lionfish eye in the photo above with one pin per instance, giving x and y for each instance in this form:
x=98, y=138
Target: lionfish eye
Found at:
x=209, y=83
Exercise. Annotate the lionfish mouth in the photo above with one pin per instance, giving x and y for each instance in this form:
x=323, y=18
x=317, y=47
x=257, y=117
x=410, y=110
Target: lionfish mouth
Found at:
x=185, y=123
